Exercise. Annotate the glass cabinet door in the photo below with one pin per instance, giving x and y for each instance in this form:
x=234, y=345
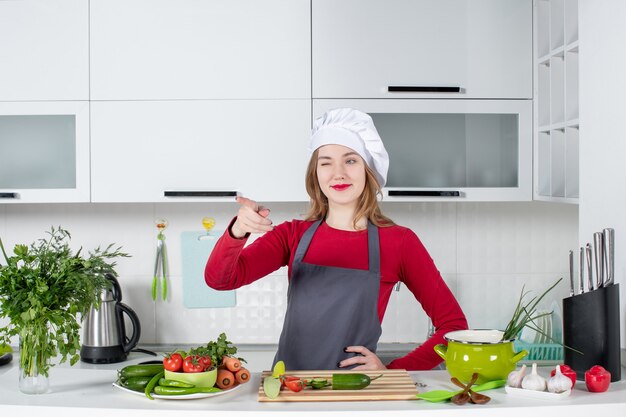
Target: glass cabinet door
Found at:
x=472, y=150
x=44, y=152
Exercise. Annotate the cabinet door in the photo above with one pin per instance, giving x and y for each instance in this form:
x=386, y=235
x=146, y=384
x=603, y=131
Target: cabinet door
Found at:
x=363, y=47
x=44, y=152
x=141, y=149
x=44, y=48
x=200, y=49
x=452, y=150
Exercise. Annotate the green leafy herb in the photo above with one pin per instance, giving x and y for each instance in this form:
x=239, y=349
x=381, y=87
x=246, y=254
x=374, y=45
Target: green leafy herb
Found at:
x=525, y=314
x=44, y=290
x=216, y=350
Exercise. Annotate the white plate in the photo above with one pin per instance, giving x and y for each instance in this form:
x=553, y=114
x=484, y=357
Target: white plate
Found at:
x=179, y=397
x=542, y=395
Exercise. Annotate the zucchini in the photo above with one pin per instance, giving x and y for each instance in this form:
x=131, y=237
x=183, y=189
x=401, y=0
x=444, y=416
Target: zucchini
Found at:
x=352, y=381
x=131, y=371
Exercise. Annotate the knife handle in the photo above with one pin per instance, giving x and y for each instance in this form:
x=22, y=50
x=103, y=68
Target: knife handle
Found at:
x=581, y=270
x=589, y=267
x=609, y=255
x=598, y=246
x=571, y=273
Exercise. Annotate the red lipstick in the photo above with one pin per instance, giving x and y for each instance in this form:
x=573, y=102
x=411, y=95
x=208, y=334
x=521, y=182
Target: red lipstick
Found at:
x=340, y=187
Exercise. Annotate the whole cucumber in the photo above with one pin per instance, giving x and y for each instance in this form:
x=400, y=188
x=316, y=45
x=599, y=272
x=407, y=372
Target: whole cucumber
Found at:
x=351, y=381
x=161, y=390
x=136, y=383
x=131, y=371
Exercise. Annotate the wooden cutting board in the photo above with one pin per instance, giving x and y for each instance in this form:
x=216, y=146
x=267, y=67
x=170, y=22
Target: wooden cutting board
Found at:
x=395, y=384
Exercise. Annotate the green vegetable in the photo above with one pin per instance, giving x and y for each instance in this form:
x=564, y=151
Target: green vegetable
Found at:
x=271, y=387
x=140, y=370
x=44, y=289
x=216, y=350
x=352, y=381
x=161, y=390
x=152, y=384
x=173, y=383
x=137, y=383
x=318, y=383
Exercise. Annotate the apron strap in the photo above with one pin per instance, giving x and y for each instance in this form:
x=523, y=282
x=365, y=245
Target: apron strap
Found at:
x=373, y=245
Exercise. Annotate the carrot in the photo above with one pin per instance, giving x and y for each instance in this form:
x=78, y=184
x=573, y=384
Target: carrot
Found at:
x=225, y=379
x=231, y=363
x=242, y=376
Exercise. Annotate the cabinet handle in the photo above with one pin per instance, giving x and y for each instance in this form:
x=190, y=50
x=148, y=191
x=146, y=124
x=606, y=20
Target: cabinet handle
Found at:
x=8, y=195
x=422, y=89
x=419, y=193
x=200, y=193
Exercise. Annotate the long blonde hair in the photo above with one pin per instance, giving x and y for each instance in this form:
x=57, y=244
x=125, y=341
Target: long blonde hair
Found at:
x=368, y=206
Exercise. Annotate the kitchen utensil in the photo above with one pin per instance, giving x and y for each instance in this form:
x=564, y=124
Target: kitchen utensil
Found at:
x=479, y=351
x=437, y=396
x=463, y=397
x=204, y=379
x=571, y=273
x=474, y=396
x=394, y=384
x=104, y=334
x=609, y=252
x=598, y=246
x=160, y=262
x=589, y=268
x=581, y=271
x=178, y=397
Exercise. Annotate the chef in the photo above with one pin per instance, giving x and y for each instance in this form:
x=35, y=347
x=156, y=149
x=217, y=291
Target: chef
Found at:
x=344, y=258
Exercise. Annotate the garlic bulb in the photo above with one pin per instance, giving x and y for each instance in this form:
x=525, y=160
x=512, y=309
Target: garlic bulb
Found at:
x=559, y=382
x=534, y=381
x=515, y=377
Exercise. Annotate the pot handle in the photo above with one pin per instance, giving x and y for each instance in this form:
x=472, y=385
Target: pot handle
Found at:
x=442, y=350
x=519, y=356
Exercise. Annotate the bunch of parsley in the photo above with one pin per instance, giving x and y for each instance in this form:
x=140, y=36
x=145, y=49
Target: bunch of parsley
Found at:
x=44, y=290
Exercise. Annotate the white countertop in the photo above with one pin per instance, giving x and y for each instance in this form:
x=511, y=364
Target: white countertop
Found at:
x=87, y=390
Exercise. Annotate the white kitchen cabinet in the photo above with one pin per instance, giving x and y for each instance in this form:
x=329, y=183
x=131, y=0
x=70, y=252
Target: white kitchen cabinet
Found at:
x=556, y=105
x=143, y=149
x=44, y=48
x=452, y=150
x=361, y=48
x=200, y=49
x=44, y=152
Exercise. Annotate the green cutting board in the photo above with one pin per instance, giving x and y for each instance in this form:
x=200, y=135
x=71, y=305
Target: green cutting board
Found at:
x=196, y=248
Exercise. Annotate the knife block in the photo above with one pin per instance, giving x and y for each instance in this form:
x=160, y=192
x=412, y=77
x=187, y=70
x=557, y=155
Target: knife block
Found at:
x=591, y=326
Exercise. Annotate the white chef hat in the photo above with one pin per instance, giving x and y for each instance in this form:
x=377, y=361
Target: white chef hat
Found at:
x=355, y=130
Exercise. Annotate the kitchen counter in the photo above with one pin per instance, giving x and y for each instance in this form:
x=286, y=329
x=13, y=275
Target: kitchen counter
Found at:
x=86, y=389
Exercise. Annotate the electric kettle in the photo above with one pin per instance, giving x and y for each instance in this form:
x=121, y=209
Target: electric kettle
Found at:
x=104, y=334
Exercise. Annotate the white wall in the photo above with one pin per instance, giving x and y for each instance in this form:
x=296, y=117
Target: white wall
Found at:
x=602, y=138
x=485, y=251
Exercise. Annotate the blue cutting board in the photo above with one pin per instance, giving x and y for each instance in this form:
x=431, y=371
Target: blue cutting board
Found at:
x=196, y=248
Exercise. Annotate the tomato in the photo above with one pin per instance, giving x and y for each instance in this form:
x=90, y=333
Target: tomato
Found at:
x=597, y=379
x=173, y=362
x=294, y=384
x=205, y=361
x=568, y=372
x=192, y=365
x=284, y=379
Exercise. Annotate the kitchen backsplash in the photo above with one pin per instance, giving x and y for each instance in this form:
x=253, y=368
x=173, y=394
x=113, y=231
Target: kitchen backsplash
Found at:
x=486, y=252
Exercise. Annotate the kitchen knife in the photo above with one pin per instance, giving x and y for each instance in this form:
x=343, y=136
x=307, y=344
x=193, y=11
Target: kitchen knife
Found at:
x=609, y=255
x=589, y=268
x=581, y=270
x=598, y=247
x=571, y=273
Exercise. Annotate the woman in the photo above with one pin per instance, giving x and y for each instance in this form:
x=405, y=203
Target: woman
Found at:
x=343, y=259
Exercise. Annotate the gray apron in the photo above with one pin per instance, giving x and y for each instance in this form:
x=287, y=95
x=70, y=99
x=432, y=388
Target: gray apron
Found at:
x=329, y=308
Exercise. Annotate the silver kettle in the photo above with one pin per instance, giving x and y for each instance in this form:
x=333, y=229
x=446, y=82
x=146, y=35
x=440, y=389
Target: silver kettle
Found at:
x=104, y=334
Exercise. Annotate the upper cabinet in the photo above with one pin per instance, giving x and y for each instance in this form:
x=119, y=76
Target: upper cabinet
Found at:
x=44, y=47
x=44, y=151
x=191, y=49
x=556, y=101
x=422, y=49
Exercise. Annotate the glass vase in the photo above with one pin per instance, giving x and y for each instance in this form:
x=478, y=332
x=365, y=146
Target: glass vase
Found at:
x=34, y=362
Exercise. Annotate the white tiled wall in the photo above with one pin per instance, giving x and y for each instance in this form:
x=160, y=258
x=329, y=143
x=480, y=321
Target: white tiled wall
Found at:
x=486, y=252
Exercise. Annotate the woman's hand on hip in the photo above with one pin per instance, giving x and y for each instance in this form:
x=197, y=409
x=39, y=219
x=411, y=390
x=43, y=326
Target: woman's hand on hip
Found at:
x=251, y=218
x=366, y=360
